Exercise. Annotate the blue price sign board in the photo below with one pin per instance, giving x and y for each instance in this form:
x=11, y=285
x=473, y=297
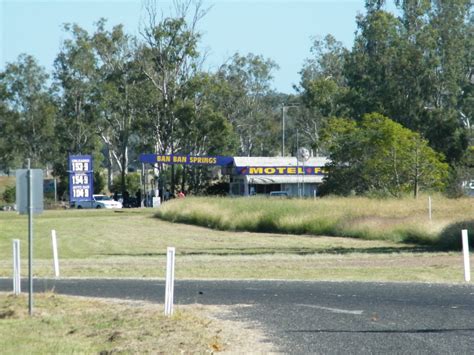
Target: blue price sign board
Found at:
x=80, y=178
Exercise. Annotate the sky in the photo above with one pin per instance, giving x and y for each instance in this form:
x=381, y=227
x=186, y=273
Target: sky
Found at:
x=276, y=29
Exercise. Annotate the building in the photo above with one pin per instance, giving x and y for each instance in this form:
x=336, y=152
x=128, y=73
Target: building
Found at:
x=263, y=175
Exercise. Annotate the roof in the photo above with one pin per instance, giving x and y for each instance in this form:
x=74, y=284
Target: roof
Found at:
x=278, y=161
x=283, y=179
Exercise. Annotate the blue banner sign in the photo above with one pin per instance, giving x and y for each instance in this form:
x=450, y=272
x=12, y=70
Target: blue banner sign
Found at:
x=186, y=159
x=81, y=178
x=281, y=170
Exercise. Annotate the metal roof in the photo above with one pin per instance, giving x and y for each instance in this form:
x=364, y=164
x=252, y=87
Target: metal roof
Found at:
x=278, y=161
x=283, y=179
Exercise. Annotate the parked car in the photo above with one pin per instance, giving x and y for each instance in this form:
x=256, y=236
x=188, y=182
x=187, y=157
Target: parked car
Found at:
x=279, y=194
x=99, y=201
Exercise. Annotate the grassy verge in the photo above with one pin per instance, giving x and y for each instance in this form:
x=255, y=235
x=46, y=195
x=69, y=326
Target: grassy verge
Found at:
x=403, y=220
x=64, y=324
x=132, y=243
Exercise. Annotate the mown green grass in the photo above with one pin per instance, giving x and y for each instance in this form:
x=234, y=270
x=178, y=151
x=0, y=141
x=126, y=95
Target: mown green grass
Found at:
x=132, y=243
x=397, y=220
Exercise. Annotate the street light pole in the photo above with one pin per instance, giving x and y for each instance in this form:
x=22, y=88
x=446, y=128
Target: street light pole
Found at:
x=283, y=130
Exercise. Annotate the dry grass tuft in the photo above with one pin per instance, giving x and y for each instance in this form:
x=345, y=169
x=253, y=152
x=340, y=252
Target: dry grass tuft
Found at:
x=398, y=220
x=65, y=324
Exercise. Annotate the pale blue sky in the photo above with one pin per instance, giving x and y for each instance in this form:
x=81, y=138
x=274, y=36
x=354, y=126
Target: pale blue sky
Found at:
x=277, y=29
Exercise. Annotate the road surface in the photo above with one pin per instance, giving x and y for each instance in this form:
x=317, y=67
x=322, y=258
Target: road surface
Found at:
x=318, y=317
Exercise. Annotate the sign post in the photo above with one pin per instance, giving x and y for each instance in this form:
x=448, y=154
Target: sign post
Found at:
x=29, y=200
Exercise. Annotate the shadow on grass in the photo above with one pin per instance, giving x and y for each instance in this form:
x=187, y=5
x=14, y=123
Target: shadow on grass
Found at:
x=285, y=251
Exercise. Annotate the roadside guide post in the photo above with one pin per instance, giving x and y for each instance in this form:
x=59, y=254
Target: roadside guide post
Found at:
x=465, y=249
x=16, y=267
x=55, y=253
x=169, y=285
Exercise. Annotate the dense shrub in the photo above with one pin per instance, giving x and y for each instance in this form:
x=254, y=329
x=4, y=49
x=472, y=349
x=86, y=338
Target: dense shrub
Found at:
x=450, y=237
x=9, y=195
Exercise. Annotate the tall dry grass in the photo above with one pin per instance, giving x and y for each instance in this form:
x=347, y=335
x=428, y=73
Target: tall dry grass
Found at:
x=400, y=220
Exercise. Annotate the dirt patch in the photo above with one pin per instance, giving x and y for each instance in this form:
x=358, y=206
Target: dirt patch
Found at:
x=231, y=335
x=236, y=336
x=397, y=260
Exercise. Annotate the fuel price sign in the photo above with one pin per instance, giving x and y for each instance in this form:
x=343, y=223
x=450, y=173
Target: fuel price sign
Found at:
x=80, y=178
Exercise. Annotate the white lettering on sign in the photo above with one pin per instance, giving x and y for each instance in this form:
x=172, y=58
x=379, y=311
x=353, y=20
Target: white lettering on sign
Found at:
x=80, y=179
x=80, y=165
x=80, y=192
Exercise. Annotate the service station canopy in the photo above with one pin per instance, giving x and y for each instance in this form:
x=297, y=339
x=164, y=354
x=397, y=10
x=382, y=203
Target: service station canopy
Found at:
x=229, y=162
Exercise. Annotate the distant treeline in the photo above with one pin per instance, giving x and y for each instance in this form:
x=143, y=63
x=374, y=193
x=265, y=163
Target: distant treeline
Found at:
x=393, y=112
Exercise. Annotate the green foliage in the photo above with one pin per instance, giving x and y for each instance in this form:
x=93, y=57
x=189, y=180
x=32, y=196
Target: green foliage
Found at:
x=416, y=69
x=132, y=183
x=9, y=195
x=114, y=95
x=246, y=80
x=27, y=120
x=380, y=155
x=450, y=237
x=99, y=182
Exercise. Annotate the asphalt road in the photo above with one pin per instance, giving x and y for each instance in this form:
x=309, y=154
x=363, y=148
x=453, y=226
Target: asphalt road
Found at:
x=319, y=317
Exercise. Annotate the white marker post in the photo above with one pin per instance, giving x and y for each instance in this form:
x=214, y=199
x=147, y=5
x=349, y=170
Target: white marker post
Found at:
x=55, y=253
x=465, y=250
x=169, y=292
x=16, y=268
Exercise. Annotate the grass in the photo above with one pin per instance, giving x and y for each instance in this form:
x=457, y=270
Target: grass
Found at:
x=64, y=324
x=132, y=243
x=396, y=220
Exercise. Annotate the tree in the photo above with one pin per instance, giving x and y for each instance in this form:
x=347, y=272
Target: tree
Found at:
x=245, y=102
x=169, y=59
x=414, y=69
x=75, y=81
x=8, y=157
x=203, y=130
x=380, y=155
x=323, y=89
x=28, y=113
x=117, y=92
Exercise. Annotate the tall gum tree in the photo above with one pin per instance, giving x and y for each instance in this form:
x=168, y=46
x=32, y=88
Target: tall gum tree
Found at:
x=117, y=91
x=248, y=80
x=75, y=77
x=169, y=58
x=31, y=119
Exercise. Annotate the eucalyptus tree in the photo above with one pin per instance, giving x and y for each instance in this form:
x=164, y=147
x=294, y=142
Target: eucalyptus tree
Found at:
x=76, y=78
x=452, y=26
x=9, y=158
x=169, y=59
x=246, y=105
x=203, y=129
x=28, y=115
x=117, y=93
x=413, y=68
x=323, y=89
